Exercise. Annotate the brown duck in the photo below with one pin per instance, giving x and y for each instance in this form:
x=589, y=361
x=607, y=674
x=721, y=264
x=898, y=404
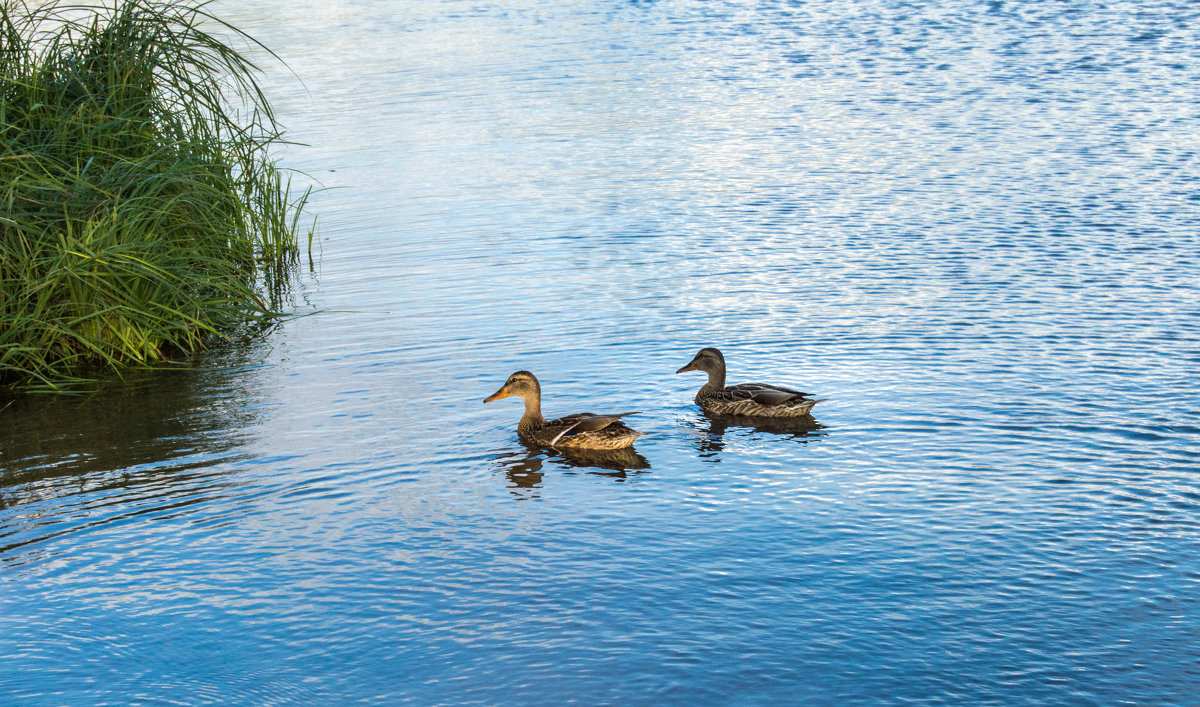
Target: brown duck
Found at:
x=581, y=431
x=746, y=399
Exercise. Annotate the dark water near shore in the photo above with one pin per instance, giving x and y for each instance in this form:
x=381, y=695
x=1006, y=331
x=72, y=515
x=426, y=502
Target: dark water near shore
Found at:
x=974, y=228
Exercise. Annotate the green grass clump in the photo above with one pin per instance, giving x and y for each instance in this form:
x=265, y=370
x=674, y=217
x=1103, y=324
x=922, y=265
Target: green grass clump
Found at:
x=141, y=215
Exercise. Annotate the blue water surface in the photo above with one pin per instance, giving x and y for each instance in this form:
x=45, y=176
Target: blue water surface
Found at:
x=973, y=226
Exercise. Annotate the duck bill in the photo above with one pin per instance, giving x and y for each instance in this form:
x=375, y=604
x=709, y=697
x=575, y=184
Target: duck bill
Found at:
x=690, y=367
x=502, y=393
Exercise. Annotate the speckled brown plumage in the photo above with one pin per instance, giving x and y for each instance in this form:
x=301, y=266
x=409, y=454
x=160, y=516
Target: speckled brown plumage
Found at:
x=745, y=399
x=580, y=431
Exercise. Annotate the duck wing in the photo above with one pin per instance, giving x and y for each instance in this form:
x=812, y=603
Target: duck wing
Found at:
x=762, y=393
x=577, y=424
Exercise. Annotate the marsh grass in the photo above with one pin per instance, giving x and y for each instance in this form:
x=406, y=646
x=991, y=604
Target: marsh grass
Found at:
x=141, y=214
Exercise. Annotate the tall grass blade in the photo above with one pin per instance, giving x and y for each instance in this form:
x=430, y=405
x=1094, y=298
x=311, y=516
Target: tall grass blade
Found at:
x=141, y=213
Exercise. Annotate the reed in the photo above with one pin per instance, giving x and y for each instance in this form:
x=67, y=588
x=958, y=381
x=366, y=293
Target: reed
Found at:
x=142, y=216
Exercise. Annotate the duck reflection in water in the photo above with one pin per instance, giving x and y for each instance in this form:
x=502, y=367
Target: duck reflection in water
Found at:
x=710, y=441
x=525, y=467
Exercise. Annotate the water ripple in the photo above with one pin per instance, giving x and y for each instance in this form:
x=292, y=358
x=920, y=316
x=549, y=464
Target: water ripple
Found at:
x=971, y=226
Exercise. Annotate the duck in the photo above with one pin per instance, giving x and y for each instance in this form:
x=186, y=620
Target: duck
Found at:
x=582, y=431
x=744, y=399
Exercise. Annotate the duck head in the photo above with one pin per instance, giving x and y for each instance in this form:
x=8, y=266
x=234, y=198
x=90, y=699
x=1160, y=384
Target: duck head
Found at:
x=522, y=384
x=708, y=360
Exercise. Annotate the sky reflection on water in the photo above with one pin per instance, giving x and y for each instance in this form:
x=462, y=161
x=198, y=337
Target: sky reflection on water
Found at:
x=972, y=227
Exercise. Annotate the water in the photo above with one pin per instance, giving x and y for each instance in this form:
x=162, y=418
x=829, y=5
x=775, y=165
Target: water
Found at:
x=972, y=227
